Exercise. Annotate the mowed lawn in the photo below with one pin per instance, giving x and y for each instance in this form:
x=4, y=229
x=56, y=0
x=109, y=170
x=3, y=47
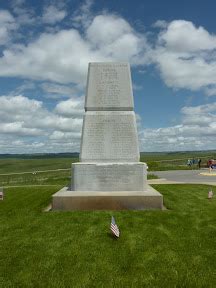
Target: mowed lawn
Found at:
x=171, y=248
x=16, y=165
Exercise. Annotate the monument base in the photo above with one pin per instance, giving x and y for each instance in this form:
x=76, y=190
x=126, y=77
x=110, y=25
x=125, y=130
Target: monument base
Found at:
x=122, y=176
x=119, y=200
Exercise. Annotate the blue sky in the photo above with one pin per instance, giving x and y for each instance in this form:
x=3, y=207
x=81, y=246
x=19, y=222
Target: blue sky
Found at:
x=45, y=47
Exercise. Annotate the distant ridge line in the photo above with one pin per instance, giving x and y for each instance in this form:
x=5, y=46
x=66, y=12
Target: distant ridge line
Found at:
x=76, y=155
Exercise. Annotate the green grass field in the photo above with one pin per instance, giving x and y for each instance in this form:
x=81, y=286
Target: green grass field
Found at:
x=47, y=178
x=163, y=161
x=158, y=156
x=155, y=162
x=171, y=248
x=15, y=165
x=61, y=177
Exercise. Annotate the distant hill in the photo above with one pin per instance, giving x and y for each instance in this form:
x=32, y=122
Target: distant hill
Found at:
x=40, y=155
x=144, y=155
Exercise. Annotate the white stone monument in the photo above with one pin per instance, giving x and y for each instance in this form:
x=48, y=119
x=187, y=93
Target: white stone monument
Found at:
x=109, y=174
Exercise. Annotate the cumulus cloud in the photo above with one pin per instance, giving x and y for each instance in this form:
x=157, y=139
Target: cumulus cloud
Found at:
x=71, y=107
x=19, y=129
x=120, y=42
x=210, y=91
x=25, y=15
x=29, y=118
x=27, y=126
x=160, y=24
x=63, y=56
x=197, y=131
x=114, y=27
x=7, y=26
x=184, y=36
x=83, y=16
x=185, y=55
x=18, y=105
x=53, y=14
x=61, y=136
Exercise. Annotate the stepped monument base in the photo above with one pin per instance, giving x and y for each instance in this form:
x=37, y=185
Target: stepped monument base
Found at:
x=109, y=175
x=116, y=200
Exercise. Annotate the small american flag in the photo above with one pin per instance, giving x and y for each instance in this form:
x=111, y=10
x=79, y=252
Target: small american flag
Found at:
x=1, y=194
x=210, y=194
x=114, y=228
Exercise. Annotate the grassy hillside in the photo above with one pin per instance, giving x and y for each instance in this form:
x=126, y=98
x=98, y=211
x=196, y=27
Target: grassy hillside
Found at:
x=14, y=165
x=171, y=248
x=155, y=161
x=158, y=156
x=175, y=160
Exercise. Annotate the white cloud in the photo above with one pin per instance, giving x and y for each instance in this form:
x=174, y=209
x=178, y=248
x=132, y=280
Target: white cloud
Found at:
x=58, y=90
x=61, y=136
x=185, y=56
x=63, y=56
x=120, y=42
x=24, y=117
x=184, y=53
x=184, y=36
x=24, y=14
x=18, y=129
x=53, y=14
x=71, y=107
x=114, y=26
x=201, y=109
x=197, y=131
x=25, y=86
x=160, y=24
x=211, y=91
x=7, y=26
x=18, y=105
x=27, y=126
x=83, y=16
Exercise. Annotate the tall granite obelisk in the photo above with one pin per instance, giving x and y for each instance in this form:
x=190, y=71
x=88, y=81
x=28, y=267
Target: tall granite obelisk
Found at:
x=109, y=156
x=109, y=174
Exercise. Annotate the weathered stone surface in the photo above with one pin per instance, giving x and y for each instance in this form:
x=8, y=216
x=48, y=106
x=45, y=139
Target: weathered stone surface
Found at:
x=109, y=177
x=124, y=200
x=109, y=136
x=109, y=87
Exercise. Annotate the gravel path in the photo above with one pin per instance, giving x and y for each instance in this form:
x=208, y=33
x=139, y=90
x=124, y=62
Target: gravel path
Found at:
x=184, y=176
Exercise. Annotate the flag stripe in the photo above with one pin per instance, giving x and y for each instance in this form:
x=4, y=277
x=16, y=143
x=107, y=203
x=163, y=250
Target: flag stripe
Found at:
x=114, y=228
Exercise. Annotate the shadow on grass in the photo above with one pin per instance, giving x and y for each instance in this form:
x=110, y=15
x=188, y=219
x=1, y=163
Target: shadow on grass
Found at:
x=110, y=235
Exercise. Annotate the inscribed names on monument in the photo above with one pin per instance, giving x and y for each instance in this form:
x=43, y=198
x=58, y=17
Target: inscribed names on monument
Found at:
x=110, y=136
x=109, y=87
x=113, y=177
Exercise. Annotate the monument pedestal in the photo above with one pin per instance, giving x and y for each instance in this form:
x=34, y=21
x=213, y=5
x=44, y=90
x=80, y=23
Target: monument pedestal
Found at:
x=109, y=176
x=108, y=186
x=67, y=200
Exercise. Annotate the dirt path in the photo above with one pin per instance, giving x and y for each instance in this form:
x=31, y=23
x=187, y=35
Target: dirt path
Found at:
x=34, y=172
x=39, y=185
